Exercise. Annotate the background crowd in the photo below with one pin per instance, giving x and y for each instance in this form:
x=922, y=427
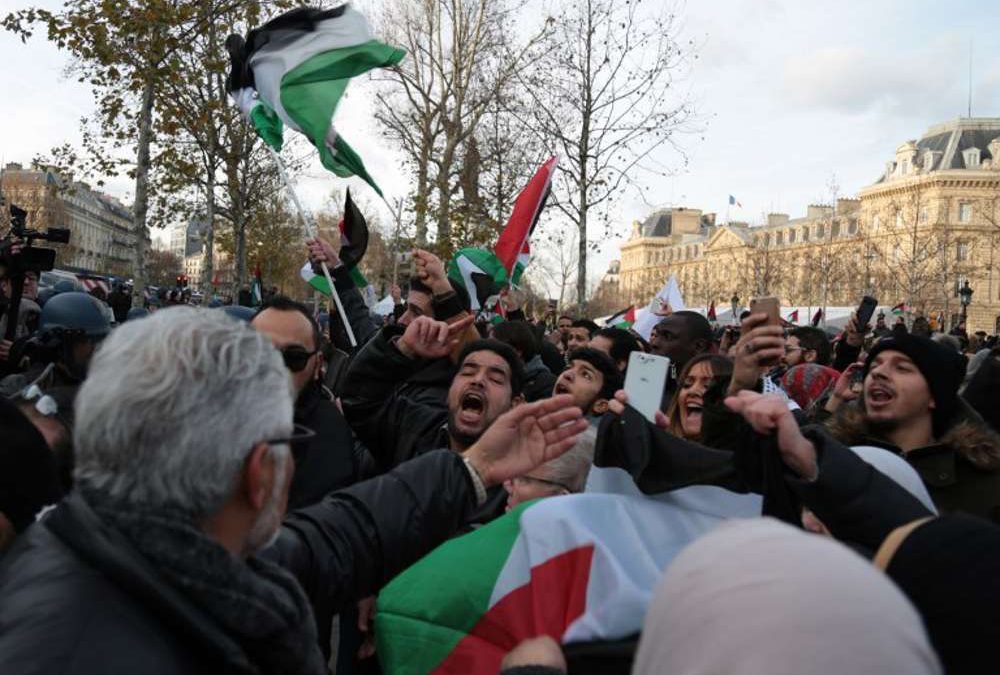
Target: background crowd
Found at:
x=228, y=489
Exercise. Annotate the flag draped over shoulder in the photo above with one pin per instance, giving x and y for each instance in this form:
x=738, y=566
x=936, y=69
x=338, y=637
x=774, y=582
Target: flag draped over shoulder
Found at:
x=512, y=248
x=293, y=71
x=482, y=275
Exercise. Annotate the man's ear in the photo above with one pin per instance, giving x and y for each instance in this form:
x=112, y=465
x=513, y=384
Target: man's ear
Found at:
x=600, y=406
x=258, y=476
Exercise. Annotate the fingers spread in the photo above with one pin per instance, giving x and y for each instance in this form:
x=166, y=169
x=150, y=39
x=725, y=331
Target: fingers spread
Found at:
x=560, y=417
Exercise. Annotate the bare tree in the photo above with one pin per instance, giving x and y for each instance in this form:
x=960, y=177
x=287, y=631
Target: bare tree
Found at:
x=461, y=57
x=555, y=265
x=603, y=88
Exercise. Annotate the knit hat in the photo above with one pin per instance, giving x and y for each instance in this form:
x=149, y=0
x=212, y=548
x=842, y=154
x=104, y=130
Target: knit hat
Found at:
x=807, y=382
x=943, y=368
x=27, y=470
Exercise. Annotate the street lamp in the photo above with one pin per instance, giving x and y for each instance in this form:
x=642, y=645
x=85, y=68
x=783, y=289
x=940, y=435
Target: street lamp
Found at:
x=965, y=293
x=735, y=305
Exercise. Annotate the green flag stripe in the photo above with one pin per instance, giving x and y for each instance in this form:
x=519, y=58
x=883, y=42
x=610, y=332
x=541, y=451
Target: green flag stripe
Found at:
x=344, y=162
x=267, y=125
x=481, y=555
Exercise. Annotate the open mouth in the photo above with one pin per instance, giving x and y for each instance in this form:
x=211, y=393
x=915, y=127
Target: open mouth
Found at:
x=879, y=395
x=693, y=411
x=471, y=407
x=561, y=388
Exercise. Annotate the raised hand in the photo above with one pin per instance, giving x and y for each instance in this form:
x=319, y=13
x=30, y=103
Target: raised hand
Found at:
x=430, y=270
x=320, y=251
x=616, y=406
x=843, y=390
x=759, y=345
x=426, y=338
x=769, y=414
x=526, y=436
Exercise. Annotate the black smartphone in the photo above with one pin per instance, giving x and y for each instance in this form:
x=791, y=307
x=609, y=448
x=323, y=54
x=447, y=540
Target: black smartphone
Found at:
x=865, y=311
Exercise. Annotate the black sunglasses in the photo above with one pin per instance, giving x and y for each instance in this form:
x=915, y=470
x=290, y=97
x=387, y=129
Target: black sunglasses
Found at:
x=296, y=357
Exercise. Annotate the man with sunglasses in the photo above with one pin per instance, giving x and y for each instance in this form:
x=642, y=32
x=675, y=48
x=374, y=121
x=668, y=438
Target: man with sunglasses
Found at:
x=326, y=461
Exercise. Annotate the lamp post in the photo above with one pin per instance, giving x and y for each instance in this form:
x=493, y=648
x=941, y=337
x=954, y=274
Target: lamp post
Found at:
x=735, y=305
x=965, y=293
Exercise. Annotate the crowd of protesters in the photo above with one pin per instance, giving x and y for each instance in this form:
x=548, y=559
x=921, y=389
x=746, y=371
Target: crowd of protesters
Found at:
x=207, y=490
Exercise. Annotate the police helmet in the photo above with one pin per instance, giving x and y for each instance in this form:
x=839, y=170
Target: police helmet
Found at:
x=74, y=312
x=240, y=312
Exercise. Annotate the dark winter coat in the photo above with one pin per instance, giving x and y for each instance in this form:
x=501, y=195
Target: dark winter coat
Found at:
x=538, y=380
x=75, y=597
x=961, y=471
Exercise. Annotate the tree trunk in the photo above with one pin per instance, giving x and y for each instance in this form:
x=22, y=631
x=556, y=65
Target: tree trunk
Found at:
x=141, y=205
x=208, y=235
x=420, y=198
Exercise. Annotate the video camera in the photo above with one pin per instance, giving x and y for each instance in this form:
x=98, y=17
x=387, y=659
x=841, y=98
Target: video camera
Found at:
x=19, y=255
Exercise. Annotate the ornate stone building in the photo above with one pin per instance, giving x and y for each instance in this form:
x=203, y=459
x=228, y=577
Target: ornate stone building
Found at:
x=929, y=223
x=101, y=239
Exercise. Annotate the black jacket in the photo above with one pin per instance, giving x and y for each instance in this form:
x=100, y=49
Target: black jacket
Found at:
x=75, y=597
x=538, y=380
x=354, y=307
x=393, y=426
x=327, y=461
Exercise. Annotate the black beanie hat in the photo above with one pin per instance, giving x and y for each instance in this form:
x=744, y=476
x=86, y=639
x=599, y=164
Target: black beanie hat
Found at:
x=28, y=479
x=941, y=366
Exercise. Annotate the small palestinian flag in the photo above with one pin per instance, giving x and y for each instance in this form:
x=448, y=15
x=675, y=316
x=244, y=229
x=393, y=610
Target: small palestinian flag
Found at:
x=899, y=310
x=482, y=275
x=793, y=317
x=580, y=568
x=817, y=317
x=353, y=245
x=294, y=69
x=257, y=288
x=623, y=319
x=711, y=312
x=512, y=247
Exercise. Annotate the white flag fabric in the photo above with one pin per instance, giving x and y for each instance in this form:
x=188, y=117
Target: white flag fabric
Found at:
x=647, y=318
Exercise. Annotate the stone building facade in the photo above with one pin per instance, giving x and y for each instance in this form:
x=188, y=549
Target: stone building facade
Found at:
x=927, y=225
x=101, y=237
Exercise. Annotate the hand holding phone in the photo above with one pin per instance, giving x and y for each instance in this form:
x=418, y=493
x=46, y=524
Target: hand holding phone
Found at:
x=645, y=380
x=864, y=313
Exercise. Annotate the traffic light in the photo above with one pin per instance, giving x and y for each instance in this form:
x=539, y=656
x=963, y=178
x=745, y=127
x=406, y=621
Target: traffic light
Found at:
x=182, y=281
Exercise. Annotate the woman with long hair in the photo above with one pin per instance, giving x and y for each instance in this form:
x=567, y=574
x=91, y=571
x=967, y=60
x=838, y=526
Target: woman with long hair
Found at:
x=685, y=414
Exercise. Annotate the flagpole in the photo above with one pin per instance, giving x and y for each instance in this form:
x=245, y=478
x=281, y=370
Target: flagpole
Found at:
x=310, y=227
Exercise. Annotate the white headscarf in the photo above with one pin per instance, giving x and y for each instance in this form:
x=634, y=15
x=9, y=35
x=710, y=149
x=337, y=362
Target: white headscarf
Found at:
x=757, y=597
x=898, y=469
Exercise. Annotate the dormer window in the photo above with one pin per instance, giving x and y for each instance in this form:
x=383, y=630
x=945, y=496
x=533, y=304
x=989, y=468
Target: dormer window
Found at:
x=929, y=160
x=904, y=167
x=972, y=157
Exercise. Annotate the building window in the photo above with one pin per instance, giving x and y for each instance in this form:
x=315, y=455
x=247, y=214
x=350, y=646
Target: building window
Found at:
x=924, y=214
x=876, y=221
x=820, y=231
x=899, y=218
x=959, y=282
x=791, y=236
x=904, y=167
x=964, y=212
x=852, y=227
x=962, y=251
x=835, y=229
x=805, y=234
x=779, y=238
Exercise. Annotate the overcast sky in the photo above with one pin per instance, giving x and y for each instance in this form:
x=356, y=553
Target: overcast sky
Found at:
x=791, y=92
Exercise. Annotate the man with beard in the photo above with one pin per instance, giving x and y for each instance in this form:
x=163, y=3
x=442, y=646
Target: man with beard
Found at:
x=396, y=427
x=183, y=467
x=909, y=405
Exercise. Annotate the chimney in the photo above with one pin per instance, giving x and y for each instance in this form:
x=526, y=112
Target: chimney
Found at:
x=846, y=206
x=685, y=221
x=777, y=219
x=814, y=211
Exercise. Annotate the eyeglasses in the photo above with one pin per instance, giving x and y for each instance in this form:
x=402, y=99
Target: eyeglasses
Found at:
x=543, y=481
x=296, y=358
x=300, y=433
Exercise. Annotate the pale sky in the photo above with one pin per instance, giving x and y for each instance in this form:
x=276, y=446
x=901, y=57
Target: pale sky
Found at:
x=791, y=92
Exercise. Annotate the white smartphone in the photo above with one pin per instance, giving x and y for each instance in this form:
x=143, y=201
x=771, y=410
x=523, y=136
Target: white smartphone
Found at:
x=644, y=382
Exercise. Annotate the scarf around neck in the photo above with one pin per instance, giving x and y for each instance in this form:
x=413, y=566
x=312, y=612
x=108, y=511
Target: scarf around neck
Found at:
x=257, y=603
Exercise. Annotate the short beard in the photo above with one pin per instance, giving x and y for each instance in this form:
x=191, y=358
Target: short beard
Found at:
x=462, y=440
x=265, y=530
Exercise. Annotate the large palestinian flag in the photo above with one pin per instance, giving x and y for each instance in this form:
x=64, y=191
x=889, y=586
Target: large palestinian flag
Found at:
x=623, y=319
x=581, y=569
x=294, y=70
x=482, y=275
x=512, y=248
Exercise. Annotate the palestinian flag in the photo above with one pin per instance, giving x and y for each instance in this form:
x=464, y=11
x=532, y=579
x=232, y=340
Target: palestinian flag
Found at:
x=899, y=310
x=794, y=316
x=353, y=245
x=623, y=319
x=512, y=247
x=294, y=69
x=580, y=568
x=482, y=275
x=257, y=288
x=817, y=317
x=711, y=312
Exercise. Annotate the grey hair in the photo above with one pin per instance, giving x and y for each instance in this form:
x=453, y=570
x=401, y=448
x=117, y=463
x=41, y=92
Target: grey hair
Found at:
x=173, y=405
x=571, y=468
x=948, y=341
